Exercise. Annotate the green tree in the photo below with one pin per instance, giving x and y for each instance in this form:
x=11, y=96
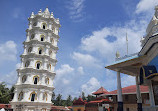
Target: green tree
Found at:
x=90, y=98
x=69, y=100
x=75, y=98
x=5, y=94
x=12, y=92
x=53, y=95
x=58, y=101
x=83, y=96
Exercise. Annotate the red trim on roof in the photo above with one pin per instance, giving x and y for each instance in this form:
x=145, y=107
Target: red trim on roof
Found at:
x=5, y=106
x=100, y=91
x=58, y=107
x=79, y=101
x=100, y=101
x=130, y=90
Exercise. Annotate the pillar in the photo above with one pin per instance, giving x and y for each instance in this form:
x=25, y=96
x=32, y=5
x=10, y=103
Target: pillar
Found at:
x=139, y=98
x=151, y=95
x=119, y=93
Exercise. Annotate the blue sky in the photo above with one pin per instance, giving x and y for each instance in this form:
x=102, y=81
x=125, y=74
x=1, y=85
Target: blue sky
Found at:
x=91, y=32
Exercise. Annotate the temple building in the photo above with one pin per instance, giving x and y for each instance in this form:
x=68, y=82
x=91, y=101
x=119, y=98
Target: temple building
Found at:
x=143, y=66
x=34, y=87
x=78, y=105
x=100, y=91
x=129, y=97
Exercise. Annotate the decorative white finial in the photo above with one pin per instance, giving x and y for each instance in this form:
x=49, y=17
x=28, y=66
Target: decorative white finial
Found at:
x=47, y=11
x=32, y=15
x=117, y=54
x=40, y=12
x=51, y=16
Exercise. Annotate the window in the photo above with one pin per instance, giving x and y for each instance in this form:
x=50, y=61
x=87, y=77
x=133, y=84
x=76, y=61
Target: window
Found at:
x=30, y=49
x=126, y=97
x=36, y=79
x=44, y=109
x=44, y=25
x=40, y=51
x=52, y=40
x=24, y=78
x=47, y=80
x=33, y=97
x=48, y=66
x=27, y=63
x=20, y=96
x=42, y=37
x=45, y=96
x=35, y=23
x=38, y=65
x=32, y=36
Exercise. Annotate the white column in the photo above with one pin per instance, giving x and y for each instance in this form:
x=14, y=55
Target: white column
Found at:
x=27, y=38
x=25, y=51
x=151, y=95
x=119, y=88
x=15, y=95
x=18, y=82
x=139, y=98
x=47, y=51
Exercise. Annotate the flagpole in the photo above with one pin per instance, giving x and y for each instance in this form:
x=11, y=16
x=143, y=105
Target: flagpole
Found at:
x=127, y=42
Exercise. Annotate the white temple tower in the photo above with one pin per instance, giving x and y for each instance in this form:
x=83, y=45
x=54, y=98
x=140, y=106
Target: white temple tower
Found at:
x=33, y=90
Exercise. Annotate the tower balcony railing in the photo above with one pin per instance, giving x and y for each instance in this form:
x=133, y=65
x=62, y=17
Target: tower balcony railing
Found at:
x=126, y=57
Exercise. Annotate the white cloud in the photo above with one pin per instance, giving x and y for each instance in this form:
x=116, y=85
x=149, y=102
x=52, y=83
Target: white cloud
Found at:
x=80, y=70
x=76, y=10
x=127, y=81
x=146, y=6
x=8, y=51
x=65, y=81
x=92, y=85
x=65, y=69
x=86, y=60
x=11, y=77
x=97, y=42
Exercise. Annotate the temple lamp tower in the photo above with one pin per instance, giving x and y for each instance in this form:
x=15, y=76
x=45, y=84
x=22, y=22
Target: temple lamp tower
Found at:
x=34, y=86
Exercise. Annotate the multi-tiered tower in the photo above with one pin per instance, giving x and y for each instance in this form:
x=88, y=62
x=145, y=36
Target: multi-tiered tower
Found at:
x=34, y=86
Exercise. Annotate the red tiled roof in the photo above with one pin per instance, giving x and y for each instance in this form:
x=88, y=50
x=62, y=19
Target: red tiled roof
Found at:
x=100, y=91
x=59, y=108
x=99, y=101
x=5, y=106
x=79, y=101
x=130, y=90
x=70, y=107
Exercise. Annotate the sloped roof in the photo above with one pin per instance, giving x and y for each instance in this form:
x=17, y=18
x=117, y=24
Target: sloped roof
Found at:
x=100, y=91
x=130, y=90
x=59, y=108
x=79, y=101
x=5, y=106
x=100, y=101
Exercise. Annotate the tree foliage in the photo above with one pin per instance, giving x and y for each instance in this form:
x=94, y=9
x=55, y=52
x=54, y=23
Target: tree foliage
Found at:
x=6, y=94
x=83, y=96
x=90, y=98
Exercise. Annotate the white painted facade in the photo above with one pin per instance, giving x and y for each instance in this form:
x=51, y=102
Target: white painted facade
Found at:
x=34, y=86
